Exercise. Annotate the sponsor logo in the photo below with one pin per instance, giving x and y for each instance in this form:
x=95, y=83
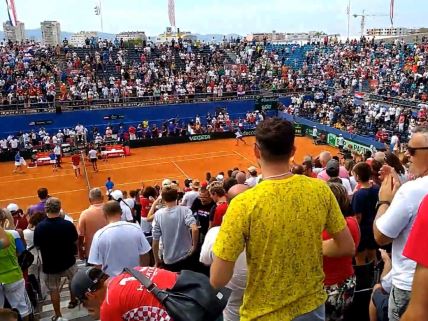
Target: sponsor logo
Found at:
x=248, y=132
x=355, y=147
x=196, y=138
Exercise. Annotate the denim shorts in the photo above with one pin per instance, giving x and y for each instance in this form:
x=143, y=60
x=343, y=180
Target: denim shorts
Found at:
x=315, y=315
x=398, y=301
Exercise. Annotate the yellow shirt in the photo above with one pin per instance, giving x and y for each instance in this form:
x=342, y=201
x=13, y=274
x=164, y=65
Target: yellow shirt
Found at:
x=280, y=222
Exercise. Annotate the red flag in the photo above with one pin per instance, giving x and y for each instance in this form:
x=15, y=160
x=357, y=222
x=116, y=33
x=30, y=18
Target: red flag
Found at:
x=171, y=12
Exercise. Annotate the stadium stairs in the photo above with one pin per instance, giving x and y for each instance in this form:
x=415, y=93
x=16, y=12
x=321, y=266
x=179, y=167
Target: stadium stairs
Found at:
x=79, y=313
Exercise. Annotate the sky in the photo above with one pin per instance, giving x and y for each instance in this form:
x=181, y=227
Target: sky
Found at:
x=219, y=16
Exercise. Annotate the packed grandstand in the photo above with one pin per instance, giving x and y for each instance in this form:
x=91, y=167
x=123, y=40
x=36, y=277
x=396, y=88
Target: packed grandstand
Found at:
x=338, y=236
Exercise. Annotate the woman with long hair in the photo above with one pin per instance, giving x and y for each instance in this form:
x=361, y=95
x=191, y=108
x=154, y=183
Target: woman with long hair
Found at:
x=339, y=281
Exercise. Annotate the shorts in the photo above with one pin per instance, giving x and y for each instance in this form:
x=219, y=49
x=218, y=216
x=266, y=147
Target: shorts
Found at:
x=367, y=241
x=17, y=297
x=76, y=167
x=53, y=281
x=18, y=164
x=398, y=302
x=93, y=160
x=53, y=161
x=380, y=301
x=339, y=298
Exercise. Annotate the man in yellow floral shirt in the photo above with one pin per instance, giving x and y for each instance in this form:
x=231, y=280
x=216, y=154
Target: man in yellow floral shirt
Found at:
x=279, y=222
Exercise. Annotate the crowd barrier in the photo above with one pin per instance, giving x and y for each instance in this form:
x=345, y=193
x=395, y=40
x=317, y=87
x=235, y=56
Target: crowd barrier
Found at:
x=356, y=143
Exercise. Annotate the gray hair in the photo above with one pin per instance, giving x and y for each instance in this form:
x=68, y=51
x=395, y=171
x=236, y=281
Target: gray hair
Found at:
x=95, y=194
x=53, y=205
x=423, y=130
x=325, y=157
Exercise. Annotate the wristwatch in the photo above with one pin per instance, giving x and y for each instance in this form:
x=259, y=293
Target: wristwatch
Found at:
x=380, y=203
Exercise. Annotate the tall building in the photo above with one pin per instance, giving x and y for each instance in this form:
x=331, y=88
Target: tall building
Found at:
x=14, y=34
x=78, y=39
x=51, y=32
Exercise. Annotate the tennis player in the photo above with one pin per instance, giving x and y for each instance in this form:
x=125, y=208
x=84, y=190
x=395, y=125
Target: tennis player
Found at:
x=239, y=137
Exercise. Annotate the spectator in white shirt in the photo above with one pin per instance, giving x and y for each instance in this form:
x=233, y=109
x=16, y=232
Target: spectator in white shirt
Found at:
x=189, y=197
x=119, y=244
x=252, y=179
x=126, y=210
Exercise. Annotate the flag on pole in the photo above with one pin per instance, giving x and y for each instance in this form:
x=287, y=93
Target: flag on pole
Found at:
x=12, y=12
x=391, y=12
x=171, y=12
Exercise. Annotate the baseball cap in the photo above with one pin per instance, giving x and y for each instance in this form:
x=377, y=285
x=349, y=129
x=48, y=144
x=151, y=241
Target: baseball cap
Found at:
x=252, y=169
x=12, y=207
x=332, y=164
x=116, y=195
x=85, y=281
x=219, y=177
x=166, y=182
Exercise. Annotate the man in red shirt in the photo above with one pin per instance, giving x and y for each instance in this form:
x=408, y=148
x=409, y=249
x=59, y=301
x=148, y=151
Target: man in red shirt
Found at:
x=122, y=297
x=75, y=160
x=218, y=195
x=417, y=250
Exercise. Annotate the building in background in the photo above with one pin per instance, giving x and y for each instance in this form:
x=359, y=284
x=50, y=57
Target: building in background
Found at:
x=132, y=35
x=14, y=34
x=170, y=35
x=295, y=37
x=78, y=39
x=385, y=32
x=51, y=33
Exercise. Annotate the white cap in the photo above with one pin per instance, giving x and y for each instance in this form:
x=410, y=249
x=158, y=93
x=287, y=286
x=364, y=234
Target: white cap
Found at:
x=166, y=182
x=116, y=195
x=219, y=177
x=12, y=207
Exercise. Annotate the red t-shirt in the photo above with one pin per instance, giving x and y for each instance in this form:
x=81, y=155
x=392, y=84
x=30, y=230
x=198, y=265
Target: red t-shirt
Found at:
x=75, y=159
x=337, y=270
x=417, y=244
x=146, y=204
x=219, y=212
x=127, y=299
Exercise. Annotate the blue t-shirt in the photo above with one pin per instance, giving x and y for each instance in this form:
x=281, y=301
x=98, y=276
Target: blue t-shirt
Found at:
x=17, y=158
x=364, y=203
x=109, y=185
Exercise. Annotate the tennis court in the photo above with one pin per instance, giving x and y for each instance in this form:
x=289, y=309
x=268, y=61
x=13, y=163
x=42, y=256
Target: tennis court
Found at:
x=149, y=165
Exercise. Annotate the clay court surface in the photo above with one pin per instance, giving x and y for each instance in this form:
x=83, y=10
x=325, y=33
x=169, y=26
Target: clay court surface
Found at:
x=149, y=166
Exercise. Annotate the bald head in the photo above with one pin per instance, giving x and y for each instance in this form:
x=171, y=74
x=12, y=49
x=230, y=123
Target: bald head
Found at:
x=380, y=157
x=325, y=157
x=241, y=177
x=235, y=190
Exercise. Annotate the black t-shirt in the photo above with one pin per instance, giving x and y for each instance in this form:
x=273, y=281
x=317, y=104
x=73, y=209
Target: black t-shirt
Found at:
x=202, y=213
x=364, y=203
x=56, y=238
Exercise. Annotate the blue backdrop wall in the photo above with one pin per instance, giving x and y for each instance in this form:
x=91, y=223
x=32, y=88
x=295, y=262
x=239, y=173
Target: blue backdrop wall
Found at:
x=131, y=115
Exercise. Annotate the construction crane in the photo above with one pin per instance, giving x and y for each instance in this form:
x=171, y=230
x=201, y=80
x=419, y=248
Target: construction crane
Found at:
x=363, y=19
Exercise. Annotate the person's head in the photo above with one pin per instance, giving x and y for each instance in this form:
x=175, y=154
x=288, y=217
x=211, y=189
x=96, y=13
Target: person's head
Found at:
x=252, y=170
x=42, y=193
x=417, y=151
x=169, y=194
x=229, y=182
x=324, y=158
x=204, y=196
x=216, y=191
x=36, y=218
x=133, y=194
x=229, y=173
x=208, y=176
x=298, y=170
x=349, y=165
x=196, y=185
x=341, y=195
x=89, y=287
x=392, y=160
x=332, y=168
x=8, y=315
x=53, y=206
x=112, y=209
x=241, y=178
x=380, y=157
x=307, y=168
x=274, y=141
x=96, y=196
x=149, y=191
x=235, y=190
x=362, y=172
x=109, y=179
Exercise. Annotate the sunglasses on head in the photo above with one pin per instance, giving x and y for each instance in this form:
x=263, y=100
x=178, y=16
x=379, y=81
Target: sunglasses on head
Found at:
x=412, y=150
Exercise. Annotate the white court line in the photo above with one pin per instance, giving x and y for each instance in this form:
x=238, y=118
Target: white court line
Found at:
x=180, y=169
x=123, y=167
x=85, y=189
x=240, y=155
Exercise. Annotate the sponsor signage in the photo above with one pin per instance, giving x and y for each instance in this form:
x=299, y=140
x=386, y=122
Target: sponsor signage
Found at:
x=349, y=144
x=113, y=117
x=198, y=138
x=41, y=122
x=298, y=130
x=250, y=132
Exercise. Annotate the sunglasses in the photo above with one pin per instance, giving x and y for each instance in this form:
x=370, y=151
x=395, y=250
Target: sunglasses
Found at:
x=412, y=150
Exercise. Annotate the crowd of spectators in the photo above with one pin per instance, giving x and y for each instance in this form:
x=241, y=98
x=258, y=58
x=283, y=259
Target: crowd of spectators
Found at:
x=267, y=252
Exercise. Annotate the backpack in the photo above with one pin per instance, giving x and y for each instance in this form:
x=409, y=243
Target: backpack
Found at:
x=25, y=259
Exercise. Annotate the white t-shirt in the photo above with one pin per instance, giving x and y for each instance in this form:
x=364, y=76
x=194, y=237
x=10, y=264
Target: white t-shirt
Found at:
x=189, y=198
x=252, y=181
x=92, y=154
x=126, y=212
x=347, y=184
x=396, y=224
x=118, y=245
x=239, y=278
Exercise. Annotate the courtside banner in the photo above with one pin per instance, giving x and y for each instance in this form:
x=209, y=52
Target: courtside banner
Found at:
x=199, y=138
x=354, y=147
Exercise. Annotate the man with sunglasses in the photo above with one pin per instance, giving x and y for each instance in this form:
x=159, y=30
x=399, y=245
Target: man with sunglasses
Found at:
x=397, y=209
x=121, y=297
